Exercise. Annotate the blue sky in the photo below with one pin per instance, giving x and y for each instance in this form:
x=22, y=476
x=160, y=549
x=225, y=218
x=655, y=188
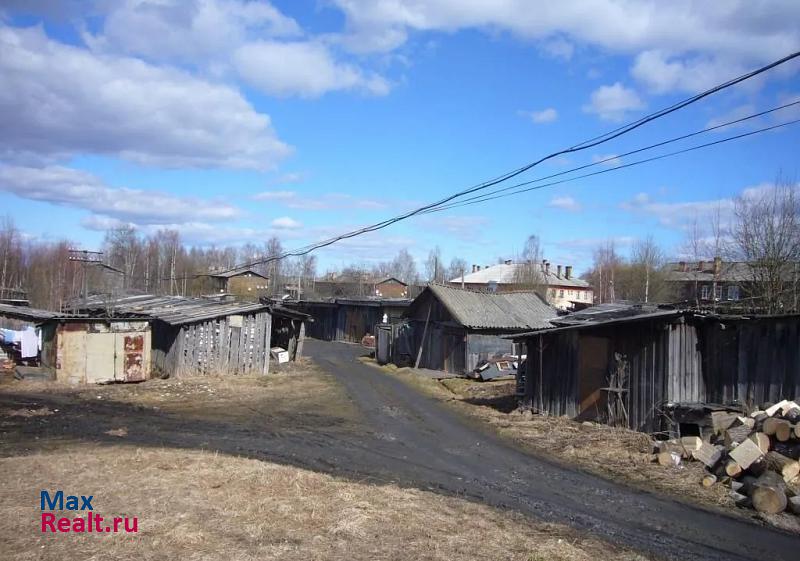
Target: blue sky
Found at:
x=231, y=121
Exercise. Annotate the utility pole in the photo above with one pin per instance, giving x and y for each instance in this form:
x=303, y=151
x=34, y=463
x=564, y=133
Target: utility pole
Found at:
x=85, y=258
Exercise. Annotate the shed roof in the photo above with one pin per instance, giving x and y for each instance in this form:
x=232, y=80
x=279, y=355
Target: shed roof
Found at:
x=26, y=313
x=479, y=310
x=602, y=315
x=505, y=273
x=235, y=273
x=729, y=271
x=175, y=310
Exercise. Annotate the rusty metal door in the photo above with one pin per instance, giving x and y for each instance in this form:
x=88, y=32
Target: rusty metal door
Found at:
x=130, y=359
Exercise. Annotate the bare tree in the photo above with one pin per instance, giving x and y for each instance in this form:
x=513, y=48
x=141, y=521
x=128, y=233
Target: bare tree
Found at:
x=646, y=262
x=404, y=267
x=273, y=249
x=434, y=268
x=604, y=273
x=457, y=269
x=767, y=236
x=528, y=270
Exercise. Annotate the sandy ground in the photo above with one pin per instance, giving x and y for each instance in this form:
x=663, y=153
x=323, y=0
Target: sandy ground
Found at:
x=194, y=504
x=619, y=454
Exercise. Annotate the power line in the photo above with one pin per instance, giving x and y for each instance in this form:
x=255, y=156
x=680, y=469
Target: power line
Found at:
x=488, y=196
x=504, y=177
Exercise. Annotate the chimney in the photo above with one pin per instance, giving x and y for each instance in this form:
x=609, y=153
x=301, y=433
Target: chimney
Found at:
x=559, y=271
x=507, y=261
x=547, y=267
x=701, y=266
x=682, y=266
x=474, y=267
x=568, y=271
x=717, y=265
x=478, y=267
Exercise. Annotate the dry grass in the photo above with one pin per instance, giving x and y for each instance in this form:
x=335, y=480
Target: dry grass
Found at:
x=199, y=505
x=273, y=398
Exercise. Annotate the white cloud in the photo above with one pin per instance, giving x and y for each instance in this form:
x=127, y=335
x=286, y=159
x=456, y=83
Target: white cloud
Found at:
x=610, y=160
x=661, y=73
x=559, y=48
x=566, y=203
x=286, y=223
x=329, y=201
x=188, y=30
x=734, y=114
x=614, y=102
x=290, y=177
x=544, y=116
x=303, y=68
x=275, y=196
x=78, y=189
x=678, y=214
x=70, y=101
x=698, y=36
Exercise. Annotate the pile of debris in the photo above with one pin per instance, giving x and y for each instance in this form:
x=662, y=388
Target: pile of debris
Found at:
x=755, y=455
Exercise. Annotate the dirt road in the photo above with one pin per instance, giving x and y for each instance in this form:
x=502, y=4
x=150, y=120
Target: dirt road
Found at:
x=389, y=432
x=419, y=442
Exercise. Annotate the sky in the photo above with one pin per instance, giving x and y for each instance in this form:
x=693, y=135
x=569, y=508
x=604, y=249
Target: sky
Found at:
x=232, y=120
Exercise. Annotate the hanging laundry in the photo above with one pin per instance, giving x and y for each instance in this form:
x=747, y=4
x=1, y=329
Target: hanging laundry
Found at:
x=30, y=343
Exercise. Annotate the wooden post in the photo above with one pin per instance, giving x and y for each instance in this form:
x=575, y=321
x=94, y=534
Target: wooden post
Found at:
x=424, y=333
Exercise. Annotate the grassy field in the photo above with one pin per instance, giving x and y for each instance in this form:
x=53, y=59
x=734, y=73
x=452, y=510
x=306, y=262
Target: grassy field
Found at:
x=198, y=505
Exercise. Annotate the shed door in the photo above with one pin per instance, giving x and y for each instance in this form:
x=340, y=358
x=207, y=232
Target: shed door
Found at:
x=100, y=357
x=129, y=360
x=592, y=375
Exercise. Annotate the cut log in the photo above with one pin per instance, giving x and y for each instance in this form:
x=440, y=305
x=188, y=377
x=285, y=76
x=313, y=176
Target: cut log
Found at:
x=774, y=409
x=737, y=433
x=787, y=467
x=794, y=505
x=746, y=454
x=783, y=430
x=708, y=454
x=757, y=413
x=769, y=493
x=671, y=459
x=749, y=421
x=692, y=443
x=721, y=420
x=761, y=440
x=792, y=415
x=770, y=425
x=788, y=407
x=709, y=480
x=797, y=430
x=732, y=469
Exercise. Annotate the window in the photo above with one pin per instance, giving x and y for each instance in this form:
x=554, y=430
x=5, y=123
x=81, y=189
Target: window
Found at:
x=718, y=293
x=560, y=293
x=704, y=293
x=733, y=293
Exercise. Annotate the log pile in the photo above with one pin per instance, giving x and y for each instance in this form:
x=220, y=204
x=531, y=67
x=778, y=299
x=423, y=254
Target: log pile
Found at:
x=757, y=456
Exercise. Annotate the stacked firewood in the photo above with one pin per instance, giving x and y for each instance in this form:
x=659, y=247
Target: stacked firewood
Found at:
x=755, y=455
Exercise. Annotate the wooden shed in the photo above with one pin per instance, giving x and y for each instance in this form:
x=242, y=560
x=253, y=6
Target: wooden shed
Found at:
x=348, y=319
x=458, y=329
x=197, y=335
x=667, y=359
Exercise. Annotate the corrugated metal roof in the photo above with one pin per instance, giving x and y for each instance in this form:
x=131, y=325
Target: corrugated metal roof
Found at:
x=509, y=310
x=25, y=313
x=175, y=310
x=505, y=273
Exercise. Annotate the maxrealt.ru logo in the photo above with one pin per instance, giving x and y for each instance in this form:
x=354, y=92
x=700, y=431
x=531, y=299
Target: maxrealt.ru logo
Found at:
x=87, y=521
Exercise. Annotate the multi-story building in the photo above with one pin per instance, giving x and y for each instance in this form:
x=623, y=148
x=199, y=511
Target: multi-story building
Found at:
x=558, y=285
